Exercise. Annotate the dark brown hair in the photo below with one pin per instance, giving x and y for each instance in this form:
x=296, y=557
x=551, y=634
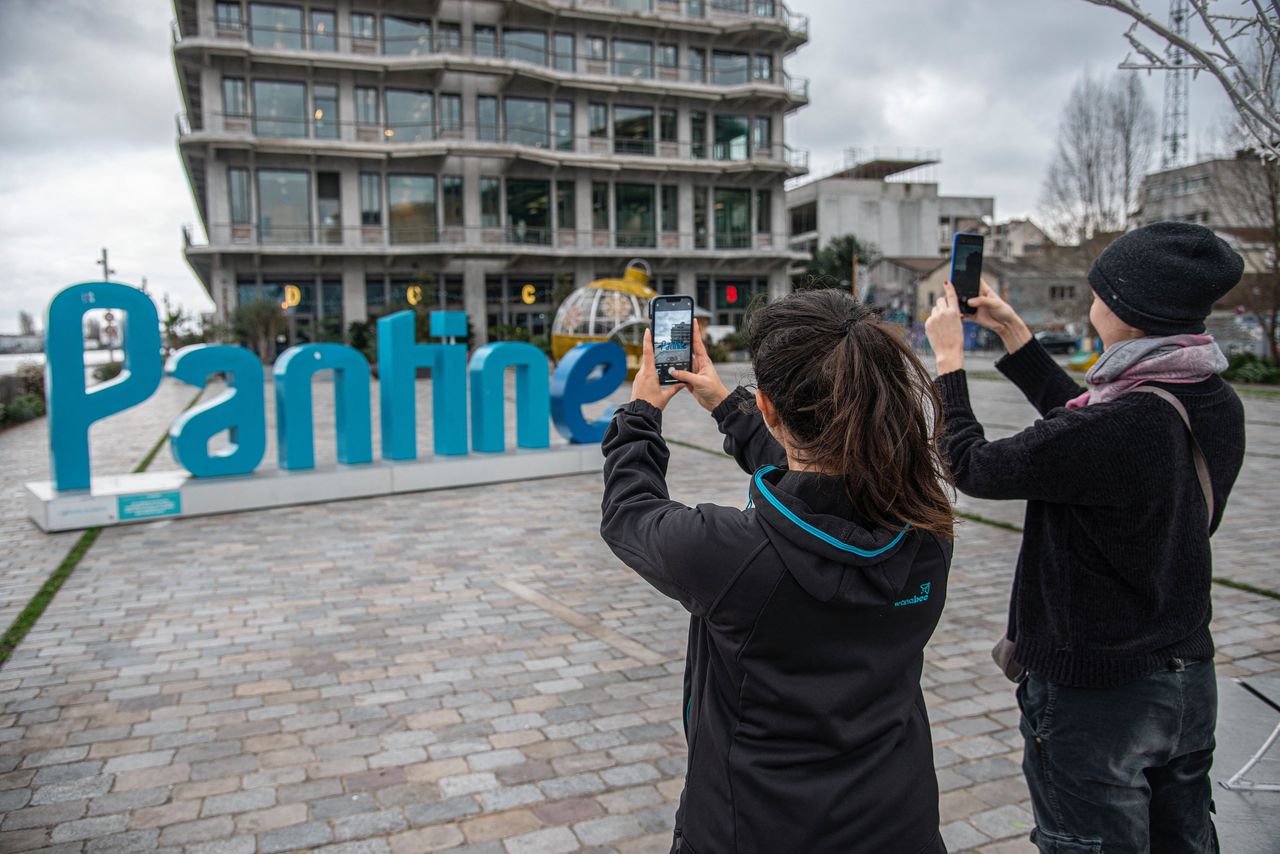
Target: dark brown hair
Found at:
x=854, y=400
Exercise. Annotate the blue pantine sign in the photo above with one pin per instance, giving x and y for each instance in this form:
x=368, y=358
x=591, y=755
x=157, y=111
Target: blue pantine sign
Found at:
x=589, y=373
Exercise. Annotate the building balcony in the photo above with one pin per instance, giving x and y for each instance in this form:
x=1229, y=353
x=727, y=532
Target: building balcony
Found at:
x=533, y=144
x=731, y=81
x=412, y=239
x=719, y=13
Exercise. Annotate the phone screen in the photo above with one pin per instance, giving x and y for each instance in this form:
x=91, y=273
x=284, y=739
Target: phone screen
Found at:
x=966, y=268
x=672, y=336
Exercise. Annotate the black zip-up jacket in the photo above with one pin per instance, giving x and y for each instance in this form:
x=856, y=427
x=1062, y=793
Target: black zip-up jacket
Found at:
x=806, y=726
x=1113, y=576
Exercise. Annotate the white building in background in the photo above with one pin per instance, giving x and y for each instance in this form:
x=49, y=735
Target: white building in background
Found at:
x=371, y=153
x=892, y=202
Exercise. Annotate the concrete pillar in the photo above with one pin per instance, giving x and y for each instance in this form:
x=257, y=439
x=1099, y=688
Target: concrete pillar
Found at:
x=779, y=284
x=354, y=307
x=687, y=283
x=473, y=296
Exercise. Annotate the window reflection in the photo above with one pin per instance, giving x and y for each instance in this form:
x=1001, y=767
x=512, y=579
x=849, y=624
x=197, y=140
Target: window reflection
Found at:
x=528, y=211
x=525, y=45
x=409, y=116
x=632, y=59
x=284, y=206
x=527, y=122
x=279, y=109
x=731, y=138
x=729, y=69
x=634, y=216
x=275, y=26
x=733, y=219
x=633, y=130
x=411, y=203
x=405, y=36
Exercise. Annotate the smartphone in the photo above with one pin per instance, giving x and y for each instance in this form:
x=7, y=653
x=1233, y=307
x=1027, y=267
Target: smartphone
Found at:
x=966, y=268
x=671, y=319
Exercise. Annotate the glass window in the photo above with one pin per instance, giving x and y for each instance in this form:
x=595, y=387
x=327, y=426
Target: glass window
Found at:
x=411, y=204
x=764, y=212
x=700, y=219
x=233, y=100
x=448, y=38
x=733, y=219
x=409, y=116
x=329, y=207
x=698, y=133
x=525, y=45
x=563, y=59
x=451, y=116
x=324, y=110
x=375, y=291
x=762, y=67
x=363, y=26
x=526, y=121
x=731, y=138
x=238, y=187
x=763, y=8
x=227, y=16
x=667, y=55
x=633, y=130
x=331, y=302
x=486, y=41
x=279, y=109
x=275, y=26
x=528, y=211
x=487, y=118
x=566, y=216
x=370, y=198
x=324, y=30
x=451, y=199
x=600, y=206
x=697, y=65
x=634, y=214
x=667, y=125
x=490, y=202
x=729, y=69
x=564, y=126
x=598, y=120
x=632, y=59
x=366, y=105
x=284, y=206
x=596, y=48
x=762, y=143
x=405, y=36
x=670, y=208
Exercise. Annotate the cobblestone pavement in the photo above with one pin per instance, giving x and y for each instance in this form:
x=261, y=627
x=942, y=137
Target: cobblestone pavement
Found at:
x=468, y=670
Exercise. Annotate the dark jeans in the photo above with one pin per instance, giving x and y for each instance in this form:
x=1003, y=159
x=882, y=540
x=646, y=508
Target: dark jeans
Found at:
x=1122, y=770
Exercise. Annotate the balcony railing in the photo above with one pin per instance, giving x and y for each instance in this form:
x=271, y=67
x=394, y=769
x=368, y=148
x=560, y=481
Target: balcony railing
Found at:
x=510, y=238
x=701, y=9
x=543, y=59
x=533, y=139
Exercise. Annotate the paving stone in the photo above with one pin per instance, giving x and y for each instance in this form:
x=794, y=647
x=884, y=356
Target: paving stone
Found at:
x=1004, y=822
x=307, y=835
x=552, y=840
x=961, y=836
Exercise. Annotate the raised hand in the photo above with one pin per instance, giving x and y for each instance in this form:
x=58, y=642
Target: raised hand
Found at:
x=646, y=386
x=703, y=381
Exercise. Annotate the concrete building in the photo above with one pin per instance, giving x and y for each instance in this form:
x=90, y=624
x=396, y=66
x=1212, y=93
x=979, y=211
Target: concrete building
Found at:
x=373, y=153
x=892, y=202
x=1218, y=193
x=1014, y=239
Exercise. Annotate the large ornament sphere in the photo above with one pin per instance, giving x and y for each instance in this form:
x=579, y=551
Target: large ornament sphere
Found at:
x=607, y=310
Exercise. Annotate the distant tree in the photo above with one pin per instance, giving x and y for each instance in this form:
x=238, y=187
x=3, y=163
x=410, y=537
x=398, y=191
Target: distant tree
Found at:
x=832, y=265
x=26, y=323
x=93, y=330
x=1240, y=47
x=172, y=323
x=1105, y=141
x=259, y=323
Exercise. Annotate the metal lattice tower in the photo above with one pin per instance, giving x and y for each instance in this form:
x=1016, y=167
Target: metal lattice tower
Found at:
x=1175, y=92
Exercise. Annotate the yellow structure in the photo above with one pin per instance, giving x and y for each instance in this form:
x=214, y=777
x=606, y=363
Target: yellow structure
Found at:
x=607, y=310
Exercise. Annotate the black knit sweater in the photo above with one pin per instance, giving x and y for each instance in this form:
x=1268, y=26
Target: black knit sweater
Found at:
x=1114, y=572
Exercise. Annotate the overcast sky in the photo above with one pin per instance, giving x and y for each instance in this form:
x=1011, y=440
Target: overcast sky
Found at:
x=88, y=154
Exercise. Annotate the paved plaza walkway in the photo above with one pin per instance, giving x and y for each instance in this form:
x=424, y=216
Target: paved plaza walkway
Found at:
x=469, y=670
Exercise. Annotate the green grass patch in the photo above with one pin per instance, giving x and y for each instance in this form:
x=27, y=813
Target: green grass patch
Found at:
x=30, y=614
x=1247, y=588
x=995, y=523
x=1257, y=392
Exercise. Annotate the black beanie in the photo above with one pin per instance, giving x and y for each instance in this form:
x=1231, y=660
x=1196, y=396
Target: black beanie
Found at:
x=1165, y=277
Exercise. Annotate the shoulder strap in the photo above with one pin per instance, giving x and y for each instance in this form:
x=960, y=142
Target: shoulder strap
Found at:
x=1202, y=466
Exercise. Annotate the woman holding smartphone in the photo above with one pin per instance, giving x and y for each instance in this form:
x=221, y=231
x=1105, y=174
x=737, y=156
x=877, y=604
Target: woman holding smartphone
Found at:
x=810, y=609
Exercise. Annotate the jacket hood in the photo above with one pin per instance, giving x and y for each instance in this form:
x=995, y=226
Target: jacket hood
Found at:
x=808, y=516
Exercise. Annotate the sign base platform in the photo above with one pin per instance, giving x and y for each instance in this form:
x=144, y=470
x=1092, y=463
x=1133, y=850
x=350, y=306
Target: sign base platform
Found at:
x=149, y=496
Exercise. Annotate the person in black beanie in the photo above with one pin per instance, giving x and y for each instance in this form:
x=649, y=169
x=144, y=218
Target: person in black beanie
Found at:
x=1125, y=482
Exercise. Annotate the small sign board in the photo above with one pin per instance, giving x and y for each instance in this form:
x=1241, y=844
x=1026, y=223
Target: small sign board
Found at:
x=149, y=505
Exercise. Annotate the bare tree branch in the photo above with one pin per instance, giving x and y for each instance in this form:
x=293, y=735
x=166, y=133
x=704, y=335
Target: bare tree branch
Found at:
x=1249, y=89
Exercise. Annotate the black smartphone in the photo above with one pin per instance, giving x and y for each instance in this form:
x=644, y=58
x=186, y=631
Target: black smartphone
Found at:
x=966, y=268
x=671, y=319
